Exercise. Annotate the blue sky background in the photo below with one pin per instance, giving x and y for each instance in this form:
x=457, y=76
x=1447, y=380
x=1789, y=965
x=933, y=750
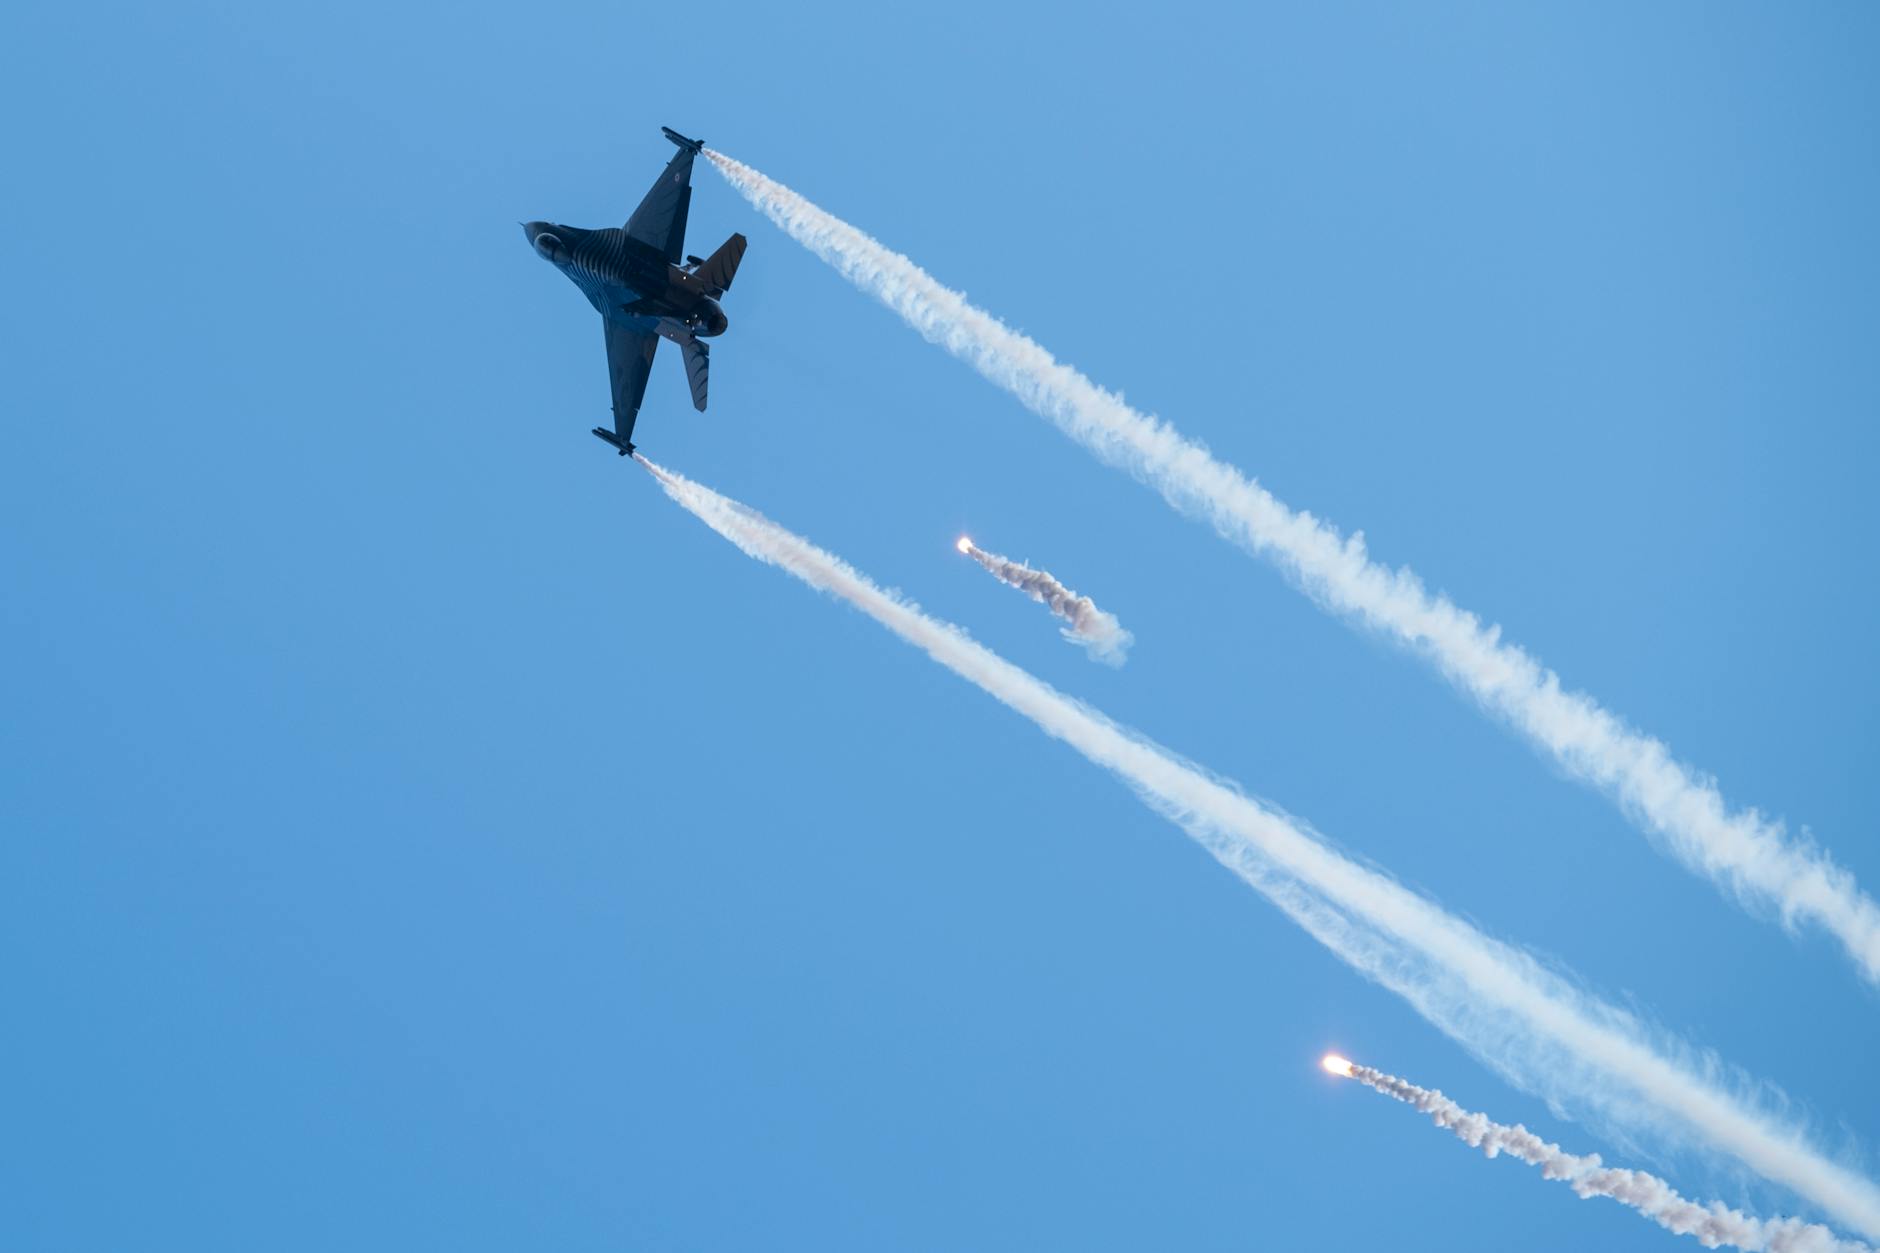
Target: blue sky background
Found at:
x=418, y=833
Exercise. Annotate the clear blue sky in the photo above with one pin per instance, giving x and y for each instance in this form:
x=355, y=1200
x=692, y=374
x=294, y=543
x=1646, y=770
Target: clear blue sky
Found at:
x=416, y=833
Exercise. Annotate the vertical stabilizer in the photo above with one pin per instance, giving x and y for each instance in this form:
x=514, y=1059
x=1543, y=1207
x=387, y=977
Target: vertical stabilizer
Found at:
x=715, y=273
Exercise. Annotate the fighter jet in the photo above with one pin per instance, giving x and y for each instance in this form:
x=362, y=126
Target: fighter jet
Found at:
x=646, y=288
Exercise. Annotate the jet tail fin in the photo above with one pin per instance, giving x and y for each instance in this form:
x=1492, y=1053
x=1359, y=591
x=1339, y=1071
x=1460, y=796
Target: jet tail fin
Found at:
x=690, y=145
x=698, y=364
x=715, y=273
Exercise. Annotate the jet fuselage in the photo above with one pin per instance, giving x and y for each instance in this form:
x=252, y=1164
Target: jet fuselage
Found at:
x=629, y=282
x=634, y=277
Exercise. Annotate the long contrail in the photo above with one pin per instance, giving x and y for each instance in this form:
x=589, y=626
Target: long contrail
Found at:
x=1102, y=636
x=1588, y=1176
x=1527, y=1021
x=1740, y=849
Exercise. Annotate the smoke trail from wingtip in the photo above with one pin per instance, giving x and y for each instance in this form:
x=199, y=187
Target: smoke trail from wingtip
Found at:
x=1102, y=636
x=1527, y=1021
x=1713, y=1224
x=1751, y=855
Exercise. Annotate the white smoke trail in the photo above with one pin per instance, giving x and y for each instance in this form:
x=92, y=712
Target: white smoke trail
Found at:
x=1588, y=1176
x=1530, y=1023
x=1752, y=855
x=1102, y=636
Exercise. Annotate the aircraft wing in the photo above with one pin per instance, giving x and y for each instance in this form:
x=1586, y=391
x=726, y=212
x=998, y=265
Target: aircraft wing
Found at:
x=629, y=363
x=660, y=219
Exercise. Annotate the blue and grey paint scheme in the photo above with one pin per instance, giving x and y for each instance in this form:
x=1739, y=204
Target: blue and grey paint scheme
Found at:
x=645, y=288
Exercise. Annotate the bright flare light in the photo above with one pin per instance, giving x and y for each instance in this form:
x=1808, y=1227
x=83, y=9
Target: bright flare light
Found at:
x=965, y=545
x=1336, y=1065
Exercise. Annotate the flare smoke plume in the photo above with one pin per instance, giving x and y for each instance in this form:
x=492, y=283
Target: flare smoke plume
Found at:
x=1713, y=1224
x=1102, y=636
x=1526, y=1020
x=1742, y=850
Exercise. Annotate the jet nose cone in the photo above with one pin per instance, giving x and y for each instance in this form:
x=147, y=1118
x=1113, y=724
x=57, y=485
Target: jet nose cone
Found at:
x=542, y=237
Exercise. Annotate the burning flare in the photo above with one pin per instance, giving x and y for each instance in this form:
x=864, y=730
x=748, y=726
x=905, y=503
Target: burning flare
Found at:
x=1713, y=1223
x=1102, y=636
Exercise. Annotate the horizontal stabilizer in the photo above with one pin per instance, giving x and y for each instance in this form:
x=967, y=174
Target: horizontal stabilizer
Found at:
x=690, y=145
x=715, y=273
x=698, y=363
